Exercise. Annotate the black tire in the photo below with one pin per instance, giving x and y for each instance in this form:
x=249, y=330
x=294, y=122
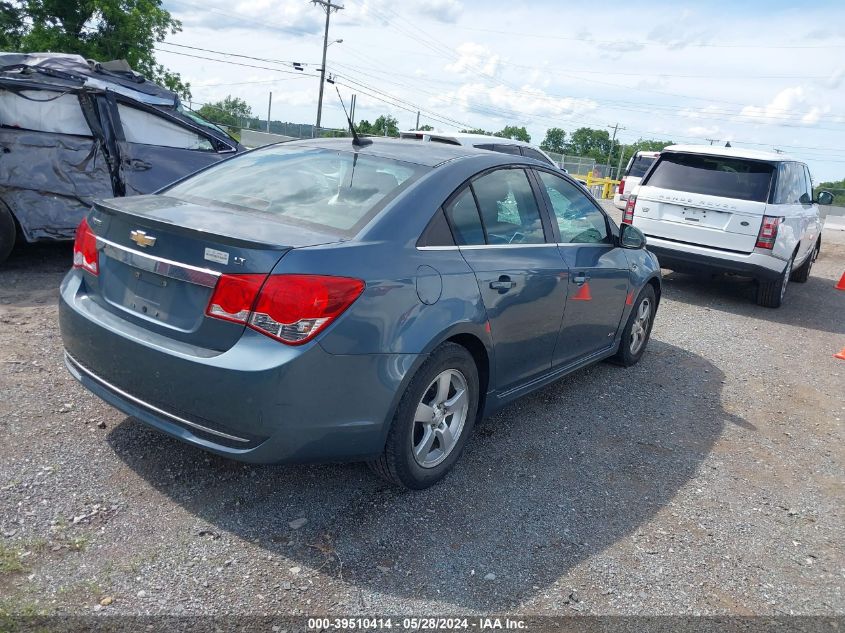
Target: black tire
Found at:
x=770, y=294
x=397, y=464
x=802, y=273
x=629, y=354
x=8, y=232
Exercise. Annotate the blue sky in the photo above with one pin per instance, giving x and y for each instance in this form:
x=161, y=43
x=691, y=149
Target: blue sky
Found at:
x=762, y=74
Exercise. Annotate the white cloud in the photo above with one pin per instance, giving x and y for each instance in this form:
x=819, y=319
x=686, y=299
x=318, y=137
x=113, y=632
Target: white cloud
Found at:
x=836, y=78
x=503, y=102
x=703, y=132
x=441, y=10
x=788, y=106
x=288, y=16
x=474, y=58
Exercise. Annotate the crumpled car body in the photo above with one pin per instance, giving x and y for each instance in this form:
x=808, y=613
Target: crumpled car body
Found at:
x=72, y=131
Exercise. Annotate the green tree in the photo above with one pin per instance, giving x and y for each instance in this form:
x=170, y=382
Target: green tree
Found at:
x=231, y=112
x=836, y=187
x=514, y=133
x=96, y=29
x=364, y=127
x=646, y=145
x=386, y=125
x=589, y=142
x=425, y=128
x=555, y=141
x=477, y=130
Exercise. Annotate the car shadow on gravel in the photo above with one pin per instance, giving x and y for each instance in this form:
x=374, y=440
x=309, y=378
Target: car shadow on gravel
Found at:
x=554, y=478
x=809, y=305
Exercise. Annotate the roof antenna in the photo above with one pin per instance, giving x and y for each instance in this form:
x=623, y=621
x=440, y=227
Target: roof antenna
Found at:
x=728, y=144
x=357, y=141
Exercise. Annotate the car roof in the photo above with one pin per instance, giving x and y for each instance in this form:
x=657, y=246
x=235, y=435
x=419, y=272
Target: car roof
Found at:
x=467, y=136
x=407, y=150
x=732, y=152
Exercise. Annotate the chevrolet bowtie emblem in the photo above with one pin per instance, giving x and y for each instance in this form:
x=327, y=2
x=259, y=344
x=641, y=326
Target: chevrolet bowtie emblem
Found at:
x=142, y=239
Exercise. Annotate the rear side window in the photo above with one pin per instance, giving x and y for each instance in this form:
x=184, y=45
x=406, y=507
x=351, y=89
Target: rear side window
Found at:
x=465, y=221
x=508, y=208
x=714, y=176
x=43, y=111
x=791, y=184
x=529, y=152
x=341, y=191
x=639, y=166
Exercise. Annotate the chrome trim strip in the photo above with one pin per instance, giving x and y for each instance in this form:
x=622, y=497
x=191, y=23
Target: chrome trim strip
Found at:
x=147, y=405
x=476, y=247
x=158, y=265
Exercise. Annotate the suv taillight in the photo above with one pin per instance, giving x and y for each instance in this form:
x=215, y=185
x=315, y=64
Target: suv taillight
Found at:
x=85, y=254
x=628, y=215
x=768, y=232
x=292, y=309
x=621, y=187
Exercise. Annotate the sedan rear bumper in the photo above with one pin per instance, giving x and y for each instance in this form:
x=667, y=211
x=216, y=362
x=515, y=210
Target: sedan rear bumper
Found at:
x=693, y=258
x=260, y=401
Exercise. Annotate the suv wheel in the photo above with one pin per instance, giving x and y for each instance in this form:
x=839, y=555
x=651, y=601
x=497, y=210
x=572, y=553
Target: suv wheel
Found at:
x=802, y=273
x=770, y=294
x=433, y=421
x=7, y=232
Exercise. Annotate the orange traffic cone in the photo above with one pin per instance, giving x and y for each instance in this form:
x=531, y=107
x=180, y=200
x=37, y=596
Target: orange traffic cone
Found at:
x=841, y=284
x=840, y=355
x=583, y=293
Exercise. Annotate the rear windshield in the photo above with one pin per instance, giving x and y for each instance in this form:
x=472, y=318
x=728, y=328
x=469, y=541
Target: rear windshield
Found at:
x=640, y=166
x=326, y=189
x=713, y=175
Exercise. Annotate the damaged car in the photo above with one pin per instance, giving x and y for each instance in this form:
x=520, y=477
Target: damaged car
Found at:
x=74, y=130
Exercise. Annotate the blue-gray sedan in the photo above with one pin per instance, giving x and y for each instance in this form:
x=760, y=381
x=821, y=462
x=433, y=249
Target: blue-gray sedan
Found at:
x=323, y=300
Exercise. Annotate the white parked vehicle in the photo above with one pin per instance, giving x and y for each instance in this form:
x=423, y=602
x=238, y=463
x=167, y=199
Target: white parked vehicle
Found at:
x=482, y=141
x=634, y=171
x=730, y=210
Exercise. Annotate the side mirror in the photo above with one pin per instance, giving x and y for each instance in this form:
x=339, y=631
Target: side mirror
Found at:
x=825, y=197
x=631, y=237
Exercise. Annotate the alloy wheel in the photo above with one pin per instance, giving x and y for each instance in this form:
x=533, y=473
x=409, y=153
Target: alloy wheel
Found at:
x=439, y=418
x=639, y=329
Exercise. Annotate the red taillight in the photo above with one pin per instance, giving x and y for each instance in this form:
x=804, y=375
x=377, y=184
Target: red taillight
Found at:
x=292, y=309
x=85, y=254
x=621, y=187
x=234, y=297
x=768, y=232
x=628, y=215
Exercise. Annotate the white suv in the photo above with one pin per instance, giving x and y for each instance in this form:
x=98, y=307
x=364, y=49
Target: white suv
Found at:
x=635, y=170
x=719, y=209
x=482, y=141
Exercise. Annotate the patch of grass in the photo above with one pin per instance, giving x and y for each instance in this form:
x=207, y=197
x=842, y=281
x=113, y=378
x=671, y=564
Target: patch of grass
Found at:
x=10, y=560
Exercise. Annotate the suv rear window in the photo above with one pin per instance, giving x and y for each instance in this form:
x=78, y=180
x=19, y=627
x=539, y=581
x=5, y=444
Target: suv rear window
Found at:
x=640, y=166
x=339, y=191
x=713, y=176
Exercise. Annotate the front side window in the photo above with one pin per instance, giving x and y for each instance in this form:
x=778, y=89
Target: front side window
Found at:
x=145, y=128
x=326, y=189
x=722, y=176
x=577, y=218
x=508, y=208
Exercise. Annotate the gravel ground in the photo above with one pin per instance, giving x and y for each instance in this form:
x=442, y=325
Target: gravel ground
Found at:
x=707, y=479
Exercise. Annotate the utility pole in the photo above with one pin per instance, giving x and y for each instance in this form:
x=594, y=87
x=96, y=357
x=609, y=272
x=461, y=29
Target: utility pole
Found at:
x=269, y=107
x=417, y=127
x=616, y=128
x=328, y=7
x=712, y=140
x=619, y=166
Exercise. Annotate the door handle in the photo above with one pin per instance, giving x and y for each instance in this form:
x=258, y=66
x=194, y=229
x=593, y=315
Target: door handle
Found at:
x=138, y=164
x=580, y=279
x=503, y=284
